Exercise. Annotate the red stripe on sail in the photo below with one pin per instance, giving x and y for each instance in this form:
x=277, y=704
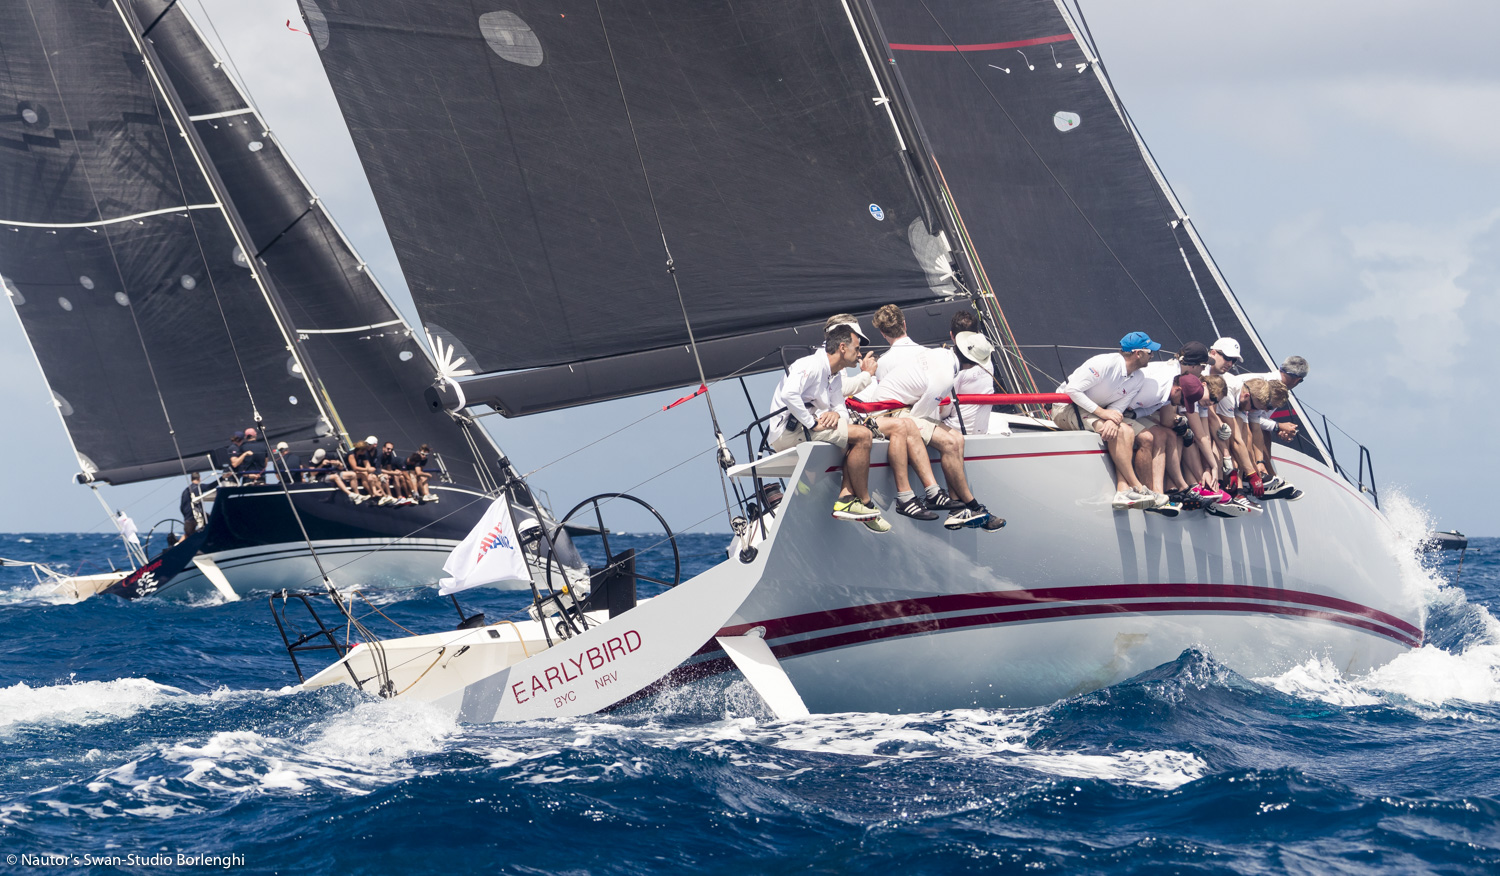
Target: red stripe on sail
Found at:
x=982, y=47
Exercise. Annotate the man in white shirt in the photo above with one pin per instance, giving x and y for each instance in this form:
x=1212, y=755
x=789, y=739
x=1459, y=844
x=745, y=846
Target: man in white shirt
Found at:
x=809, y=403
x=976, y=376
x=1102, y=389
x=920, y=378
x=866, y=373
x=1247, y=396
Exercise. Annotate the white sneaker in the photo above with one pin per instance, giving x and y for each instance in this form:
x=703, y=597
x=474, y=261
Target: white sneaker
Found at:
x=1127, y=499
x=358, y=498
x=386, y=500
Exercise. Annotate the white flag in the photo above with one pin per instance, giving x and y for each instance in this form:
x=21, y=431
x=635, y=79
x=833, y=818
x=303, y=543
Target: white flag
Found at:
x=491, y=552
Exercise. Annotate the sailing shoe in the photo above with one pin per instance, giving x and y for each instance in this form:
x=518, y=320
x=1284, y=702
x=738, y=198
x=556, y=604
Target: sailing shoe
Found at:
x=1273, y=483
x=1170, y=509
x=386, y=500
x=430, y=497
x=853, y=509
x=914, y=509
x=966, y=518
x=994, y=524
x=943, y=502
x=1232, y=508
x=358, y=498
x=878, y=523
x=1125, y=500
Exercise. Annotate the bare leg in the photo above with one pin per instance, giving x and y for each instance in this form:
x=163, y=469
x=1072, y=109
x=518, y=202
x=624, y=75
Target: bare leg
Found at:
x=896, y=431
x=1145, y=451
x=950, y=445
x=857, y=464
x=1121, y=449
x=1174, y=478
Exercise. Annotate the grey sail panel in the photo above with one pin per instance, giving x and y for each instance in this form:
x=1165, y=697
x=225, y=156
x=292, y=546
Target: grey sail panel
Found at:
x=367, y=358
x=500, y=151
x=139, y=315
x=1066, y=216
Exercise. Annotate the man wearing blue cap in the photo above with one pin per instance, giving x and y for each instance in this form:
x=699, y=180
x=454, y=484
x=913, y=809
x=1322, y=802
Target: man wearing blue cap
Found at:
x=1102, y=389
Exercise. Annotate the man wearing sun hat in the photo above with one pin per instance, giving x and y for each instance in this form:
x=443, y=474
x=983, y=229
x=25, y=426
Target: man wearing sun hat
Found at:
x=1102, y=389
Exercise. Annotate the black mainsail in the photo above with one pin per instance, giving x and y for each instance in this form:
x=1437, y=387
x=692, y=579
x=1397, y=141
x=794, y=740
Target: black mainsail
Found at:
x=120, y=245
x=510, y=152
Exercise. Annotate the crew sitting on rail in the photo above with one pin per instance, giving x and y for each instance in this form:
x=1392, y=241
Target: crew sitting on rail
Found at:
x=809, y=406
x=394, y=473
x=976, y=376
x=414, y=466
x=1164, y=396
x=1102, y=389
x=361, y=465
x=919, y=378
x=329, y=468
x=1291, y=374
x=867, y=364
x=1246, y=395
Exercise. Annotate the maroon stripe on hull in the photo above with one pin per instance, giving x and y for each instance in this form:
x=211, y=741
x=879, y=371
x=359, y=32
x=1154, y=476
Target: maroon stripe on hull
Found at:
x=814, y=622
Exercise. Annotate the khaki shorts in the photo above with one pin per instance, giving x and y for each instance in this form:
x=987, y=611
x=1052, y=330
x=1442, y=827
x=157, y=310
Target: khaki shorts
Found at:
x=926, y=426
x=1066, y=417
x=838, y=436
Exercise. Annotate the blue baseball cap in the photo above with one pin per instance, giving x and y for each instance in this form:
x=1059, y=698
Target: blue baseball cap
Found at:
x=1138, y=341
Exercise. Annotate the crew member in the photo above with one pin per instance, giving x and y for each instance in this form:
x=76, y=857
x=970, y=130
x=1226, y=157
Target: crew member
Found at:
x=1101, y=390
x=809, y=406
x=414, y=466
x=191, y=505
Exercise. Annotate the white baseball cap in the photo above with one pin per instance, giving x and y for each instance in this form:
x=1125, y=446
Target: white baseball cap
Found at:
x=977, y=349
x=372, y=442
x=281, y=445
x=854, y=326
x=319, y=454
x=1227, y=346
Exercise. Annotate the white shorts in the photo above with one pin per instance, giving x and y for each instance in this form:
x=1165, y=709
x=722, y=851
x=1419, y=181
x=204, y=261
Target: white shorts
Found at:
x=924, y=425
x=838, y=436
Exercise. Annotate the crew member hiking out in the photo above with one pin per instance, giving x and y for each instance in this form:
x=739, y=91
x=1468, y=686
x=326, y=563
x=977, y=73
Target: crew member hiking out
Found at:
x=1102, y=389
x=809, y=406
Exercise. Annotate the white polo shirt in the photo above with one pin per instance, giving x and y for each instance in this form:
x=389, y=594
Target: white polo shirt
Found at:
x=1156, y=388
x=918, y=378
x=808, y=390
x=1102, y=382
x=976, y=418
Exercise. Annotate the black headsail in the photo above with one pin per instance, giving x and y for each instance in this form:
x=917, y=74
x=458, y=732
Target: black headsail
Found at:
x=506, y=148
x=368, y=361
x=119, y=258
x=1068, y=218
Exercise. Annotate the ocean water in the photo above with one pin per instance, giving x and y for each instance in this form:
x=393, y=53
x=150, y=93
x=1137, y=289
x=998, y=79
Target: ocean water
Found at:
x=163, y=729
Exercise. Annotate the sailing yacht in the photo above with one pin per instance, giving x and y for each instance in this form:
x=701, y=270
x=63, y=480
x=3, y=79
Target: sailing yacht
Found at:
x=601, y=200
x=179, y=281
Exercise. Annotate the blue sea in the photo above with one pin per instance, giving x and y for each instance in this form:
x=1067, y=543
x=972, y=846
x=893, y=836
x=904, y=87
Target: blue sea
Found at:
x=135, y=733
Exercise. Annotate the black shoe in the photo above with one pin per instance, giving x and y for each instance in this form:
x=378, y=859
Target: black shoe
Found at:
x=944, y=502
x=915, y=509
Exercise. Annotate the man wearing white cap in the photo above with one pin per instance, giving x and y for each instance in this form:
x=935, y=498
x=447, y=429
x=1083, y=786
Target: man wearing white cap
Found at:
x=1223, y=356
x=808, y=405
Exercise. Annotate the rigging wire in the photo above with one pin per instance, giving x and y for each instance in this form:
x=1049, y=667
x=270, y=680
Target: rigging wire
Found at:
x=726, y=459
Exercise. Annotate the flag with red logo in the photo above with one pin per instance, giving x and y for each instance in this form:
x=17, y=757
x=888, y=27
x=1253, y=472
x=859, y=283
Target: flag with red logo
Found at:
x=490, y=553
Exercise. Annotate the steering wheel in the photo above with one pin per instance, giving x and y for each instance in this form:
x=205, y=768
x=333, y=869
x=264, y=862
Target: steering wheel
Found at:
x=596, y=503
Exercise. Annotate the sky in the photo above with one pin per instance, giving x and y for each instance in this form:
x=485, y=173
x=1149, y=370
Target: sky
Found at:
x=1341, y=160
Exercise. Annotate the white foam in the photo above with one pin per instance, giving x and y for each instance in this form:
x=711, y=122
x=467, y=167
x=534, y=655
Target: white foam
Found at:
x=871, y=740
x=80, y=702
x=1319, y=679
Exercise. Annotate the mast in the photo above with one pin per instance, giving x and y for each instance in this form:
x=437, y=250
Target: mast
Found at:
x=236, y=225
x=927, y=179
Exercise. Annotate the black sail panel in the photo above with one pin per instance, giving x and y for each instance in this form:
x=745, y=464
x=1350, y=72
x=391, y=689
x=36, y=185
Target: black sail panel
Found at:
x=120, y=263
x=505, y=160
x=1073, y=230
x=366, y=357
